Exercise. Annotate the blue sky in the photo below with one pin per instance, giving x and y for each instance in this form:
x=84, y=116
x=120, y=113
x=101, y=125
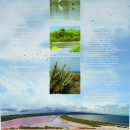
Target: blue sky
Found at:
x=72, y=62
x=41, y=100
x=56, y=28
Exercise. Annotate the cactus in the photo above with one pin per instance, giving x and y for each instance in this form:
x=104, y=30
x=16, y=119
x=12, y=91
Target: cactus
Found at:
x=58, y=81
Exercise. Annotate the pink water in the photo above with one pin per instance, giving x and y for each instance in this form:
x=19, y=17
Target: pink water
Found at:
x=33, y=121
x=53, y=120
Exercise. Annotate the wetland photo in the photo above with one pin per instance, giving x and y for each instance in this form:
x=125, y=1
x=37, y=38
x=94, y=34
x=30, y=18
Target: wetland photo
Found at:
x=65, y=75
x=65, y=39
x=64, y=10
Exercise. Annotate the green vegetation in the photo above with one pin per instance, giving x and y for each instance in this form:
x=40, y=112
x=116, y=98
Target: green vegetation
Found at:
x=68, y=36
x=64, y=82
x=65, y=35
x=88, y=122
x=59, y=79
x=50, y=127
x=27, y=127
x=75, y=49
x=54, y=48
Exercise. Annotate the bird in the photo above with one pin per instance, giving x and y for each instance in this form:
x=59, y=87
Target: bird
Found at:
x=72, y=4
x=92, y=20
x=61, y=8
x=59, y=0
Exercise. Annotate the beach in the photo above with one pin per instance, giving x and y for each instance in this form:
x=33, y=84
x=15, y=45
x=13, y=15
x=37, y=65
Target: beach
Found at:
x=73, y=125
x=55, y=121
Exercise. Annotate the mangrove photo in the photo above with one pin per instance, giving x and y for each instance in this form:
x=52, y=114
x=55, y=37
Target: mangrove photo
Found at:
x=65, y=38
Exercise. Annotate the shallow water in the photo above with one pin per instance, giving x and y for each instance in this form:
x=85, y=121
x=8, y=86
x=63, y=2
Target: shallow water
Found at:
x=64, y=10
x=53, y=120
x=116, y=119
x=64, y=47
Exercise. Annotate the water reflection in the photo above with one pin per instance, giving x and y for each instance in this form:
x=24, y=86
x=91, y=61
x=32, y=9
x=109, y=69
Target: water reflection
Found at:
x=64, y=10
x=64, y=47
x=53, y=120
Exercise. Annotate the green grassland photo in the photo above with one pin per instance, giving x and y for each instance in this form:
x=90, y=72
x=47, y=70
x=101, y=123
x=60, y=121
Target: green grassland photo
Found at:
x=65, y=39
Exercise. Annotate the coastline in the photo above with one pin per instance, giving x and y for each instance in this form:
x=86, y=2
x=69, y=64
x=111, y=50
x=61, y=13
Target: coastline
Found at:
x=75, y=125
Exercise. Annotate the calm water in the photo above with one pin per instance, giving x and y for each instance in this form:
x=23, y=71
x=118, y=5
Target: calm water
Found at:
x=123, y=120
x=54, y=120
x=64, y=11
x=74, y=71
x=36, y=121
x=64, y=47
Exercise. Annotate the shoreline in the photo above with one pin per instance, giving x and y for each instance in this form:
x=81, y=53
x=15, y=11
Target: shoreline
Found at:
x=101, y=127
x=74, y=125
x=67, y=42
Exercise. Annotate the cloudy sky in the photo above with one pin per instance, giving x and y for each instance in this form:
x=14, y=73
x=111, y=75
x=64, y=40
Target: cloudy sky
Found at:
x=14, y=102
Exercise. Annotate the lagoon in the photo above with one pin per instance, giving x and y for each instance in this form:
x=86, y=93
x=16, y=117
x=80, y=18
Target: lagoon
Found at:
x=116, y=119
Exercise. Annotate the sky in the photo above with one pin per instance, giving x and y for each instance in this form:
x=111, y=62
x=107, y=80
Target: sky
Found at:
x=14, y=102
x=56, y=28
x=72, y=62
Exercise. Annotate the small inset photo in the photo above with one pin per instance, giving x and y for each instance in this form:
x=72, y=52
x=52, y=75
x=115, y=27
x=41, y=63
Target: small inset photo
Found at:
x=64, y=75
x=65, y=39
x=64, y=10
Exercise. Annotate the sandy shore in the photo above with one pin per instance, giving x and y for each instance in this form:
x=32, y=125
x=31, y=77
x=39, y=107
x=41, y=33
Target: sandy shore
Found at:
x=73, y=125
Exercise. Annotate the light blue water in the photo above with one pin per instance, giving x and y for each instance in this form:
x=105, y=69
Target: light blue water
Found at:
x=74, y=71
x=116, y=119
